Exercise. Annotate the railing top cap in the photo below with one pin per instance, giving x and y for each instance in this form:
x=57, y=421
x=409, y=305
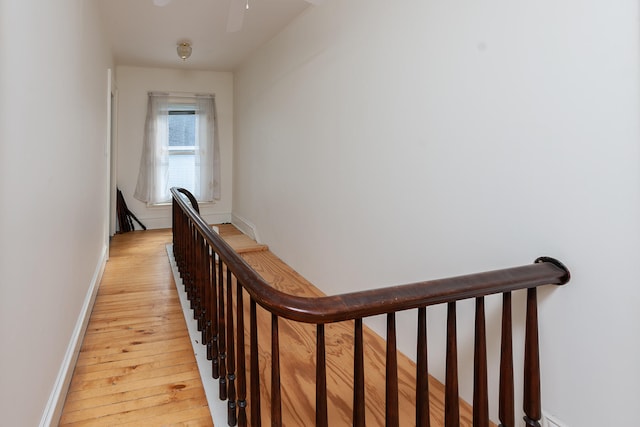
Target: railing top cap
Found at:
x=360, y=304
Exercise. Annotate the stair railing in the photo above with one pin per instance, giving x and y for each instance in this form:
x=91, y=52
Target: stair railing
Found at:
x=208, y=266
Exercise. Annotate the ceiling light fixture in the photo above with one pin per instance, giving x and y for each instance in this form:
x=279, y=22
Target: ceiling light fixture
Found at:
x=184, y=50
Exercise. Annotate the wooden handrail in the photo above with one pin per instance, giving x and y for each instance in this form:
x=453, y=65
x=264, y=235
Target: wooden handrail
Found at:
x=354, y=305
x=207, y=265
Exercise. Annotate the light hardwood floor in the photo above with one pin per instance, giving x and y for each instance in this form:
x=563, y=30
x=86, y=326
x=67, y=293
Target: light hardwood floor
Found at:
x=136, y=365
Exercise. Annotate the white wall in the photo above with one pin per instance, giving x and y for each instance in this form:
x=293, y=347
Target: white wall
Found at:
x=133, y=85
x=422, y=139
x=53, y=187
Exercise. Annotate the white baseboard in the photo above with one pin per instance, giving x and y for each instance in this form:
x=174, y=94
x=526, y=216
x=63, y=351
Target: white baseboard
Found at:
x=245, y=226
x=53, y=410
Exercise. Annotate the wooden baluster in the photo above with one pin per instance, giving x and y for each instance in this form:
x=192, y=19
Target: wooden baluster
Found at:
x=204, y=258
x=391, y=390
x=183, y=242
x=451, y=405
x=185, y=252
x=187, y=247
x=187, y=240
x=174, y=223
x=242, y=372
x=215, y=339
x=422, y=372
x=197, y=313
x=193, y=270
x=480, y=392
x=204, y=283
x=210, y=293
x=177, y=248
x=188, y=270
x=177, y=234
x=196, y=283
x=276, y=398
x=256, y=417
x=204, y=291
x=184, y=274
x=321, y=379
x=184, y=235
x=532, y=404
x=506, y=408
x=189, y=264
x=222, y=355
x=358, y=377
x=174, y=228
x=204, y=286
x=194, y=273
x=185, y=263
x=184, y=232
x=183, y=245
x=231, y=368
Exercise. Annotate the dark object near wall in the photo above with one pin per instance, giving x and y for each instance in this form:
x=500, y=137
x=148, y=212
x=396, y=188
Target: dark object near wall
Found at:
x=125, y=216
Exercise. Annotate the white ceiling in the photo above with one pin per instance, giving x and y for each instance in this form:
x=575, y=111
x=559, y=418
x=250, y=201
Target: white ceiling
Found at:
x=142, y=34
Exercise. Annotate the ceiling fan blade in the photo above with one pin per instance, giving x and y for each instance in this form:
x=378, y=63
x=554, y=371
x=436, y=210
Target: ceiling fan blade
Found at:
x=236, y=15
x=161, y=3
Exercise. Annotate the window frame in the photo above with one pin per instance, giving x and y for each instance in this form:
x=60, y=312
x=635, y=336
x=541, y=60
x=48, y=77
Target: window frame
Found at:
x=157, y=153
x=177, y=109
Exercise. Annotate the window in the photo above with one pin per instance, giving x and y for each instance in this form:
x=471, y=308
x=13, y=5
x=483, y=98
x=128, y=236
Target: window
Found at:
x=180, y=149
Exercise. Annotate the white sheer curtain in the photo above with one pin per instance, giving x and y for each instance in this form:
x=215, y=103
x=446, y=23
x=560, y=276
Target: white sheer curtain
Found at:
x=153, y=177
x=154, y=163
x=207, y=169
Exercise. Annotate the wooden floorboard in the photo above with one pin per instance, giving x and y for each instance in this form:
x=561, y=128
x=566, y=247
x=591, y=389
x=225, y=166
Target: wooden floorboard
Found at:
x=136, y=366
